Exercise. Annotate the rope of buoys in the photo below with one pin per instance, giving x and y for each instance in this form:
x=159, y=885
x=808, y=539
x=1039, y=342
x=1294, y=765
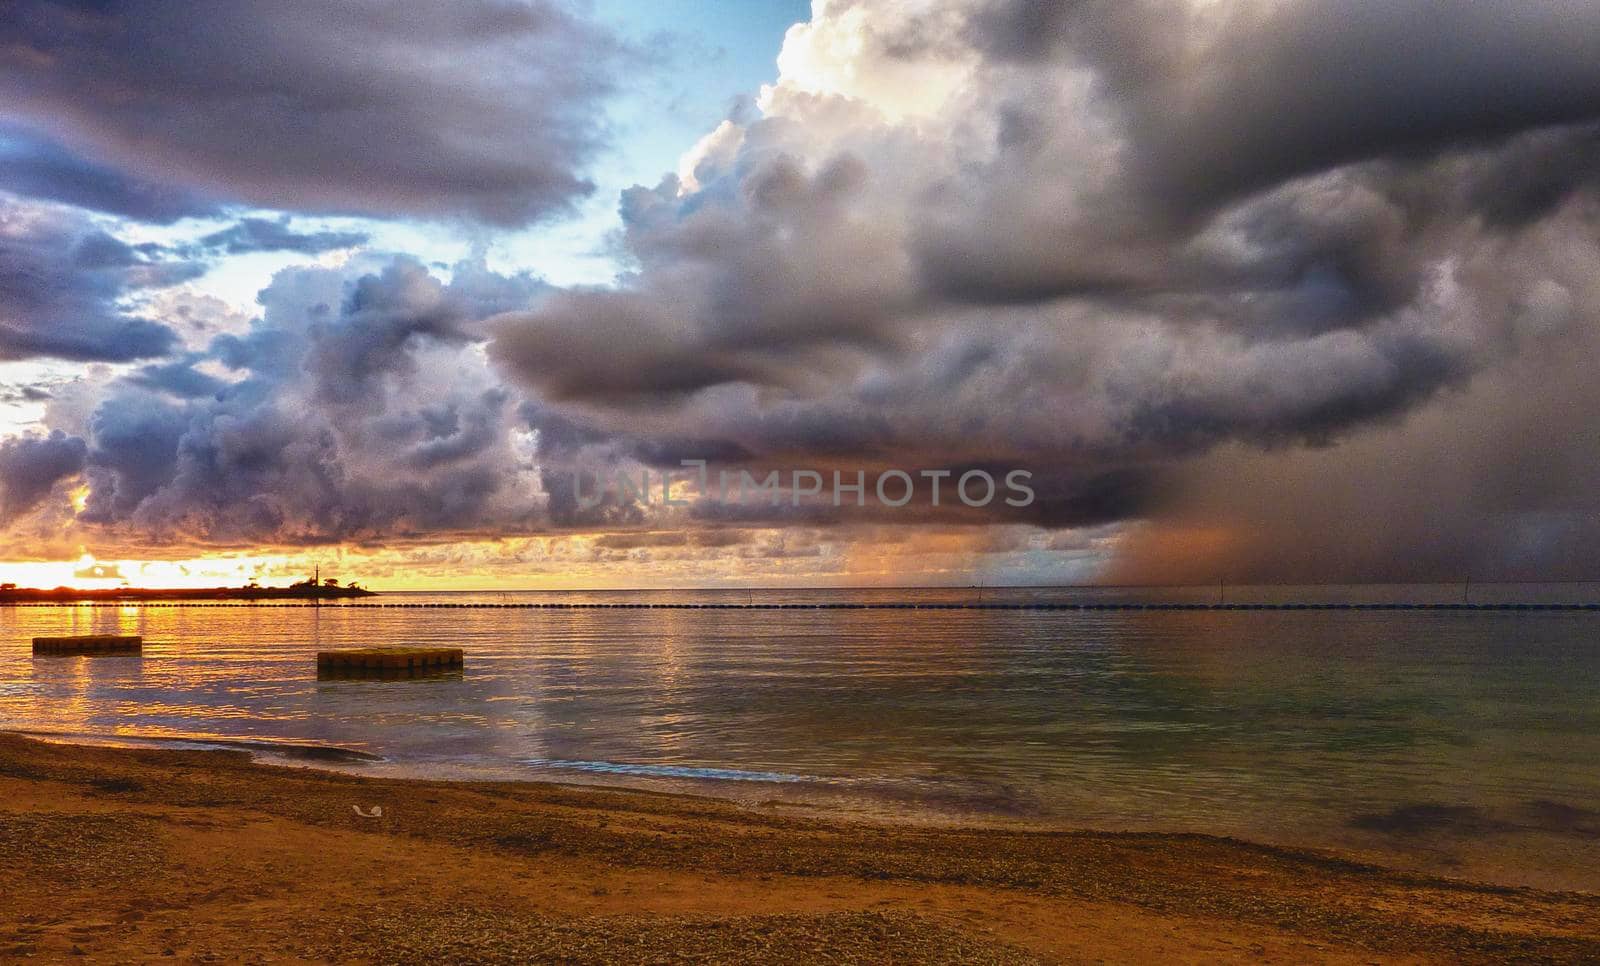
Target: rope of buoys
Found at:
x=928, y=605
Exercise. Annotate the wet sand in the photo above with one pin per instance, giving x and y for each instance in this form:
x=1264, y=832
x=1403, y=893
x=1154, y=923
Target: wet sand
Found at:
x=120, y=855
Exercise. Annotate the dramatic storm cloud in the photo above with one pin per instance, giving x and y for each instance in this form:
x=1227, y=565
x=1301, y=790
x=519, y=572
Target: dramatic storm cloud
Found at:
x=1100, y=240
x=478, y=108
x=1227, y=274
x=1219, y=100
x=356, y=407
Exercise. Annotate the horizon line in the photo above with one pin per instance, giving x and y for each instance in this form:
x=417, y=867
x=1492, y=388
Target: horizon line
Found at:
x=869, y=587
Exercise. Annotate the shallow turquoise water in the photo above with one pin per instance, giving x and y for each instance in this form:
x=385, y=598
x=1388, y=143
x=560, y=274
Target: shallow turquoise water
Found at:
x=1454, y=741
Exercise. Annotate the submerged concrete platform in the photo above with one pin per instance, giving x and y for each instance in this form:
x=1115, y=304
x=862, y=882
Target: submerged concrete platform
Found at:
x=91, y=644
x=393, y=660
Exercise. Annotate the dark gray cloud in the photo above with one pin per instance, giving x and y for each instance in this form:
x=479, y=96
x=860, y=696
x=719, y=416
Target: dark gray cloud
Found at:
x=179, y=378
x=269, y=235
x=134, y=440
x=485, y=109
x=779, y=269
x=31, y=466
x=37, y=167
x=1090, y=189
x=1222, y=100
x=35, y=393
x=573, y=455
x=456, y=430
x=358, y=408
x=65, y=283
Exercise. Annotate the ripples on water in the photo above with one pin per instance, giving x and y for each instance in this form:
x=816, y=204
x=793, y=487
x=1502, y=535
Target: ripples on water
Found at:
x=1455, y=735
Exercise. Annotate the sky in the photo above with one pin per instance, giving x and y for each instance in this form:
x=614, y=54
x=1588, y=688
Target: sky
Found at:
x=501, y=293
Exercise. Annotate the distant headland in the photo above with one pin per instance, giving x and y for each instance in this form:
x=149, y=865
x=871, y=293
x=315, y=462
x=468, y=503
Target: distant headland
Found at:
x=313, y=588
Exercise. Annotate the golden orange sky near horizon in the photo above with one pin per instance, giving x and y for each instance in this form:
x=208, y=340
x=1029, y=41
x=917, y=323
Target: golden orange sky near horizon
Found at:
x=271, y=571
x=587, y=561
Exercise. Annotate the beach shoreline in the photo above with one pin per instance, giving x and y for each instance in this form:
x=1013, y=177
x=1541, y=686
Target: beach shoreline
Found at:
x=1452, y=842
x=116, y=854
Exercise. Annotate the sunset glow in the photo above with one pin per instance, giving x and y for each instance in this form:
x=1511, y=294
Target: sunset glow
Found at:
x=1303, y=339
x=789, y=481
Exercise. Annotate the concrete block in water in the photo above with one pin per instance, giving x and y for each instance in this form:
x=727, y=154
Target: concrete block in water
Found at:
x=390, y=660
x=90, y=644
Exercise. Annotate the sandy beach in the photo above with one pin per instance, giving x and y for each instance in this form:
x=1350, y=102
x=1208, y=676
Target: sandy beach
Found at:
x=120, y=855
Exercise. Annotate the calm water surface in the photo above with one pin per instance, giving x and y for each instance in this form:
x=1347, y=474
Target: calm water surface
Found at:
x=1466, y=743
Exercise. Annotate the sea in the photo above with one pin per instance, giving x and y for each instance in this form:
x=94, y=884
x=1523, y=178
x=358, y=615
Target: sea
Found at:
x=1451, y=742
